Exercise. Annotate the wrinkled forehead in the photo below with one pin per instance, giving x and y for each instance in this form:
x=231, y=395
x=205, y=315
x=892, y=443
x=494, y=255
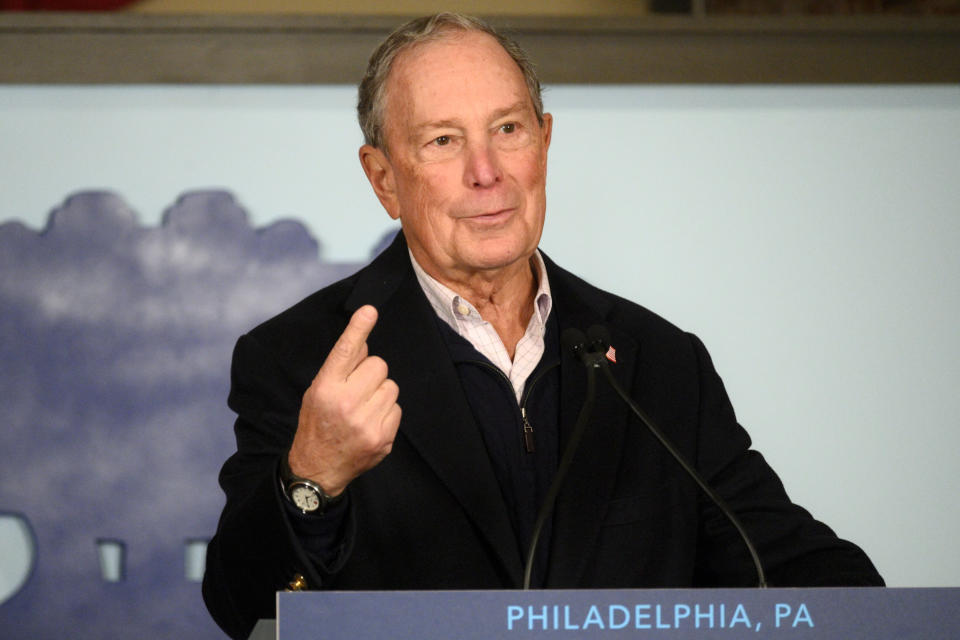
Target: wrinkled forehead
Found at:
x=449, y=63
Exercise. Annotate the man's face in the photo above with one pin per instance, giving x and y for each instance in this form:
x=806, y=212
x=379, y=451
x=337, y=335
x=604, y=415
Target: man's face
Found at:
x=466, y=160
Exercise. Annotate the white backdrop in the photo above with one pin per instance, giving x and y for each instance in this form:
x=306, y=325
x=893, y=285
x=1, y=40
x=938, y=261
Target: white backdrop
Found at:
x=809, y=235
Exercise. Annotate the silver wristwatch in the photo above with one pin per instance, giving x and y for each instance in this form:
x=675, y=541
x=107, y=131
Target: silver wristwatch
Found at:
x=303, y=493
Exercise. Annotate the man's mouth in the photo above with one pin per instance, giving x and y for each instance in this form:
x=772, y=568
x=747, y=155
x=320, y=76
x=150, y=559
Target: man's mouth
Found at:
x=492, y=216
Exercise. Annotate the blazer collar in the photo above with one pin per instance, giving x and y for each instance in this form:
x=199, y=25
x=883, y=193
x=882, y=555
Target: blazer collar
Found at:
x=581, y=504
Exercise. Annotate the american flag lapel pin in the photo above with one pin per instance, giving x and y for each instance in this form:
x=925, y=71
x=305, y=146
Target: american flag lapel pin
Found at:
x=612, y=355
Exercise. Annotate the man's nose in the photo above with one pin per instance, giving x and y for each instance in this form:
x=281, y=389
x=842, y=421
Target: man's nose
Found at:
x=483, y=165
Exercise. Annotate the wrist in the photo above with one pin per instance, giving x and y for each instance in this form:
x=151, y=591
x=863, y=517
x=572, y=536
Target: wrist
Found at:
x=306, y=466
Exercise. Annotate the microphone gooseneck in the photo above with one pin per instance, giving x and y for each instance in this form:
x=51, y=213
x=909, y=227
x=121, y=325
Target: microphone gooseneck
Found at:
x=599, y=343
x=572, y=340
x=591, y=349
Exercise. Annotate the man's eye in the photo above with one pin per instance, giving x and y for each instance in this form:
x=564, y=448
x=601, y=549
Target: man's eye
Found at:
x=441, y=141
x=510, y=127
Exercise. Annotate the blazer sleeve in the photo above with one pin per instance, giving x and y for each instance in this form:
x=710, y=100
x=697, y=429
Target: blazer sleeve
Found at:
x=256, y=550
x=795, y=549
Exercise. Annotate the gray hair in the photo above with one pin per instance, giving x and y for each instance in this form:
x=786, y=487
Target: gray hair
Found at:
x=371, y=99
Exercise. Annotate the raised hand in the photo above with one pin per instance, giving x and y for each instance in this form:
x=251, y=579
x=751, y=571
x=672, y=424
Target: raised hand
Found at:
x=349, y=415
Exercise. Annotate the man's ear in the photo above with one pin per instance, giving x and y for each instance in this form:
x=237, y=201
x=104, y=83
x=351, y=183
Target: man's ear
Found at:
x=547, y=129
x=379, y=172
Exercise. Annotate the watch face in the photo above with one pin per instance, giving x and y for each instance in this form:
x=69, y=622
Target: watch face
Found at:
x=305, y=498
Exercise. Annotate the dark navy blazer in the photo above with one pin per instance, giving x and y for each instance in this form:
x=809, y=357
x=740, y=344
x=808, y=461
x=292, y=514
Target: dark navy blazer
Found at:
x=431, y=515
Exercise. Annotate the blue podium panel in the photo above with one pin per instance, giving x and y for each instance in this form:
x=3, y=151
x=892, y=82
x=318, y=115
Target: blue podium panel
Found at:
x=674, y=614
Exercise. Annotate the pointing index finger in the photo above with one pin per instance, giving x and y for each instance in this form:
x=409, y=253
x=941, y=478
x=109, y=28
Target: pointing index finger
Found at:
x=349, y=349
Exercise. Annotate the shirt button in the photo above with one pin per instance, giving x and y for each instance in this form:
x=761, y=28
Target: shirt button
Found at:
x=463, y=309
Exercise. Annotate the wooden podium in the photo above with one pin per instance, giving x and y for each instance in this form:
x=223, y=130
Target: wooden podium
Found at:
x=674, y=614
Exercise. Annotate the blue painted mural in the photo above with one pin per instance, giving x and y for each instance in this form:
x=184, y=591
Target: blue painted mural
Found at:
x=115, y=344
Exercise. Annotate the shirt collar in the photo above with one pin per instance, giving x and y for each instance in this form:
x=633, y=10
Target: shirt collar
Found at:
x=451, y=307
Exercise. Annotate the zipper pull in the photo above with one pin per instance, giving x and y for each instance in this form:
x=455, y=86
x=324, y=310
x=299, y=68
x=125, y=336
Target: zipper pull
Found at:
x=527, y=432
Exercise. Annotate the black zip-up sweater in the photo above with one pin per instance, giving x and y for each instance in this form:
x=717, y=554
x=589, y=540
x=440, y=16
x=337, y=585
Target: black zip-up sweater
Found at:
x=522, y=438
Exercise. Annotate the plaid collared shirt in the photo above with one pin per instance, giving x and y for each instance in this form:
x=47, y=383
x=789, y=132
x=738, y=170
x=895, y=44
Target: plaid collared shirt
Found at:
x=466, y=321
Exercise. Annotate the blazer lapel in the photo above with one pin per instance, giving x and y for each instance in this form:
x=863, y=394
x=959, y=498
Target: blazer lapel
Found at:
x=581, y=504
x=437, y=419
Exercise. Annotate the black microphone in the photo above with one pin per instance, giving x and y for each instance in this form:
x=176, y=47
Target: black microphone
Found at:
x=599, y=339
x=598, y=343
x=572, y=340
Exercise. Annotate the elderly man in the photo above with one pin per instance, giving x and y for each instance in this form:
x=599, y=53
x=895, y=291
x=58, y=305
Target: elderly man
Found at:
x=333, y=486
